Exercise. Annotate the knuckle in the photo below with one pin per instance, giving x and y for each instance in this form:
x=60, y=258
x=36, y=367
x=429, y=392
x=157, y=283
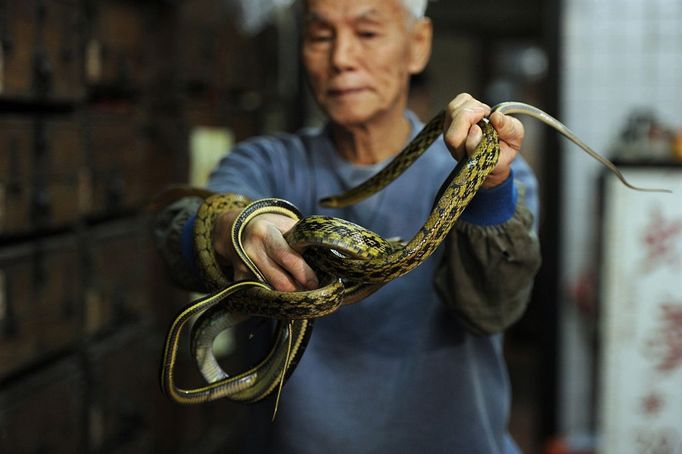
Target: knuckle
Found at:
x=281, y=283
x=290, y=261
x=241, y=272
x=296, y=266
x=276, y=248
x=278, y=221
x=450, y=136
x=518, y=127
x=255, y=231
x=251, y=248
x=458, y=100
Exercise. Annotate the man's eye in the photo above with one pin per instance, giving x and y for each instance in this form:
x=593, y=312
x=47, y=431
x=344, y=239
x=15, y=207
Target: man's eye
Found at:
x=320, y=38
x=367, y=34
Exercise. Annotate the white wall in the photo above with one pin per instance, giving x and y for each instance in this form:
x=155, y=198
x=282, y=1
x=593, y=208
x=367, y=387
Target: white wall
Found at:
x=617, y=55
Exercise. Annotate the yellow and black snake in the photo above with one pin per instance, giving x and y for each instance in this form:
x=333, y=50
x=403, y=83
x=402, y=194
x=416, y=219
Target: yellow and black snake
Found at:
x=351, y=262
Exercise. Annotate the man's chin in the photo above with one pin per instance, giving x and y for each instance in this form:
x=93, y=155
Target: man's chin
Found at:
x=349, y=117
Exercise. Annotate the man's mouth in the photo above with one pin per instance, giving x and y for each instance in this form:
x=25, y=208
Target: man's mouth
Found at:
x=337, y=92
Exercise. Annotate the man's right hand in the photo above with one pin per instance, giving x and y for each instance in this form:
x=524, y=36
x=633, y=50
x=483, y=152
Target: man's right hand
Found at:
x=264, y=243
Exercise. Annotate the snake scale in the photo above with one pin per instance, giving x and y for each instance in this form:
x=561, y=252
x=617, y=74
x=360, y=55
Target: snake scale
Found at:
x=351, y=263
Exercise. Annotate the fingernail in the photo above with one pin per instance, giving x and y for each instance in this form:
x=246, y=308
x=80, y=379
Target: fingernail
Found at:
x=311, y=284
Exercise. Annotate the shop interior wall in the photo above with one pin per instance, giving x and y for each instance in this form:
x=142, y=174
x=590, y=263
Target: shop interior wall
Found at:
x=619, y=58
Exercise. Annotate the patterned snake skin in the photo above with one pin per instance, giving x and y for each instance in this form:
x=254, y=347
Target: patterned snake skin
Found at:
x=350, y=260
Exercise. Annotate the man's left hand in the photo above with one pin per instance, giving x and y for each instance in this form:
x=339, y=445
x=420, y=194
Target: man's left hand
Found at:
x=462, y=134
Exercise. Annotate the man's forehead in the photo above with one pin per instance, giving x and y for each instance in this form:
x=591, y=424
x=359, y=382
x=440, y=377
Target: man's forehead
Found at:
x=328, y=10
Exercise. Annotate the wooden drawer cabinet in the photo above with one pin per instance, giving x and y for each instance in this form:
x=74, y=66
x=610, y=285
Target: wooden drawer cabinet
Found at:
x=44, y=412
x=40, y=301
x=41, y=50
x=17, y=47
x=115, y=276
x=16, y=170
x=117, y=159
x=115, y=59
x=41, y=167
x=121, y=410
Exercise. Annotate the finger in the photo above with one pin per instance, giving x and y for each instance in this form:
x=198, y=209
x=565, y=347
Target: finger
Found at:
x=507, y=154
x=503, y=167
x=458, y=124
x=293, y=263
x=242, y=272
x=274, y=274
x=509, y=129
x=457, y=131
x=282, y=266
x=255, y=245
x=459, y=100
x=473, y=139
x=464, y=100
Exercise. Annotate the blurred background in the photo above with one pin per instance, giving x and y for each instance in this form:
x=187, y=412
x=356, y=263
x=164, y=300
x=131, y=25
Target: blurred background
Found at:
x=105, y=102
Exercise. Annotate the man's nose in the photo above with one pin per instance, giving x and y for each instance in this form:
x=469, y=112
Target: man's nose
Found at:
x=344, y=52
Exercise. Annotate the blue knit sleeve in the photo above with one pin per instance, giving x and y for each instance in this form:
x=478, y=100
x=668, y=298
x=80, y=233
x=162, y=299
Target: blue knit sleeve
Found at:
x=249, y=169
x=497, y=205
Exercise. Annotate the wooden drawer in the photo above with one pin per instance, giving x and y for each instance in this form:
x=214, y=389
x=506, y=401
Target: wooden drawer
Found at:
x=117, y=159
x=17, y=49
x=16, y=170
x=116, y=190
x=119, y=164
x=114, y=139
x=124, y=391
x=42, y=165
x=44, y=412
x=115, y=276
x=60, y=41
x=56, y=201
x=40, y=301
x=41, y=50
x=200, y=24
x=15, y=207
x=16, y=149
x=59, y=191
x=216, y=57
x=31, y=145
x=115, y=56
x=42, y=202
x=128, y=410
x=61, y=144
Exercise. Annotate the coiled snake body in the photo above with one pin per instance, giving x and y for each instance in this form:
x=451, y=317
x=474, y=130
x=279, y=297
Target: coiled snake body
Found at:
x=351, y=262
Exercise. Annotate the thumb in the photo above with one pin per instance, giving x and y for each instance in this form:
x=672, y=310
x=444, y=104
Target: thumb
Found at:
x=473, y=139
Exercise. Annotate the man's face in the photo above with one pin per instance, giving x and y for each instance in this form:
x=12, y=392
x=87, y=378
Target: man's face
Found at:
x=358, y=57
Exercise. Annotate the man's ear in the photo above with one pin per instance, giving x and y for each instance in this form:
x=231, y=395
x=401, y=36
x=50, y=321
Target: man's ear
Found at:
x=420, y=44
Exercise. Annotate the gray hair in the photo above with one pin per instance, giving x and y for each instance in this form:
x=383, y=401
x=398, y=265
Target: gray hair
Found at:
x=416, y=8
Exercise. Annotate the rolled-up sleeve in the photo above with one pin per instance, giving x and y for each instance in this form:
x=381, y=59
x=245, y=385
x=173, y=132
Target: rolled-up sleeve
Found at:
x=486, y=275
x=173, y=236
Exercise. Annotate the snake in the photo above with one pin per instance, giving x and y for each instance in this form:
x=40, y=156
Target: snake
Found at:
x=351, y=262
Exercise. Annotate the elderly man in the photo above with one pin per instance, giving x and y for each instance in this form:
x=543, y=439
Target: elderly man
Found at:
x=417, y=366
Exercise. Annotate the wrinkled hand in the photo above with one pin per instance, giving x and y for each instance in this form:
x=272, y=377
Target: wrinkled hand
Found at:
x=462, y=134
x=263, y=242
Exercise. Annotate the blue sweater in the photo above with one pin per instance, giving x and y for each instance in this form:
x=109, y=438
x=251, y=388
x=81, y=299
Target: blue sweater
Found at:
x=394, y=373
